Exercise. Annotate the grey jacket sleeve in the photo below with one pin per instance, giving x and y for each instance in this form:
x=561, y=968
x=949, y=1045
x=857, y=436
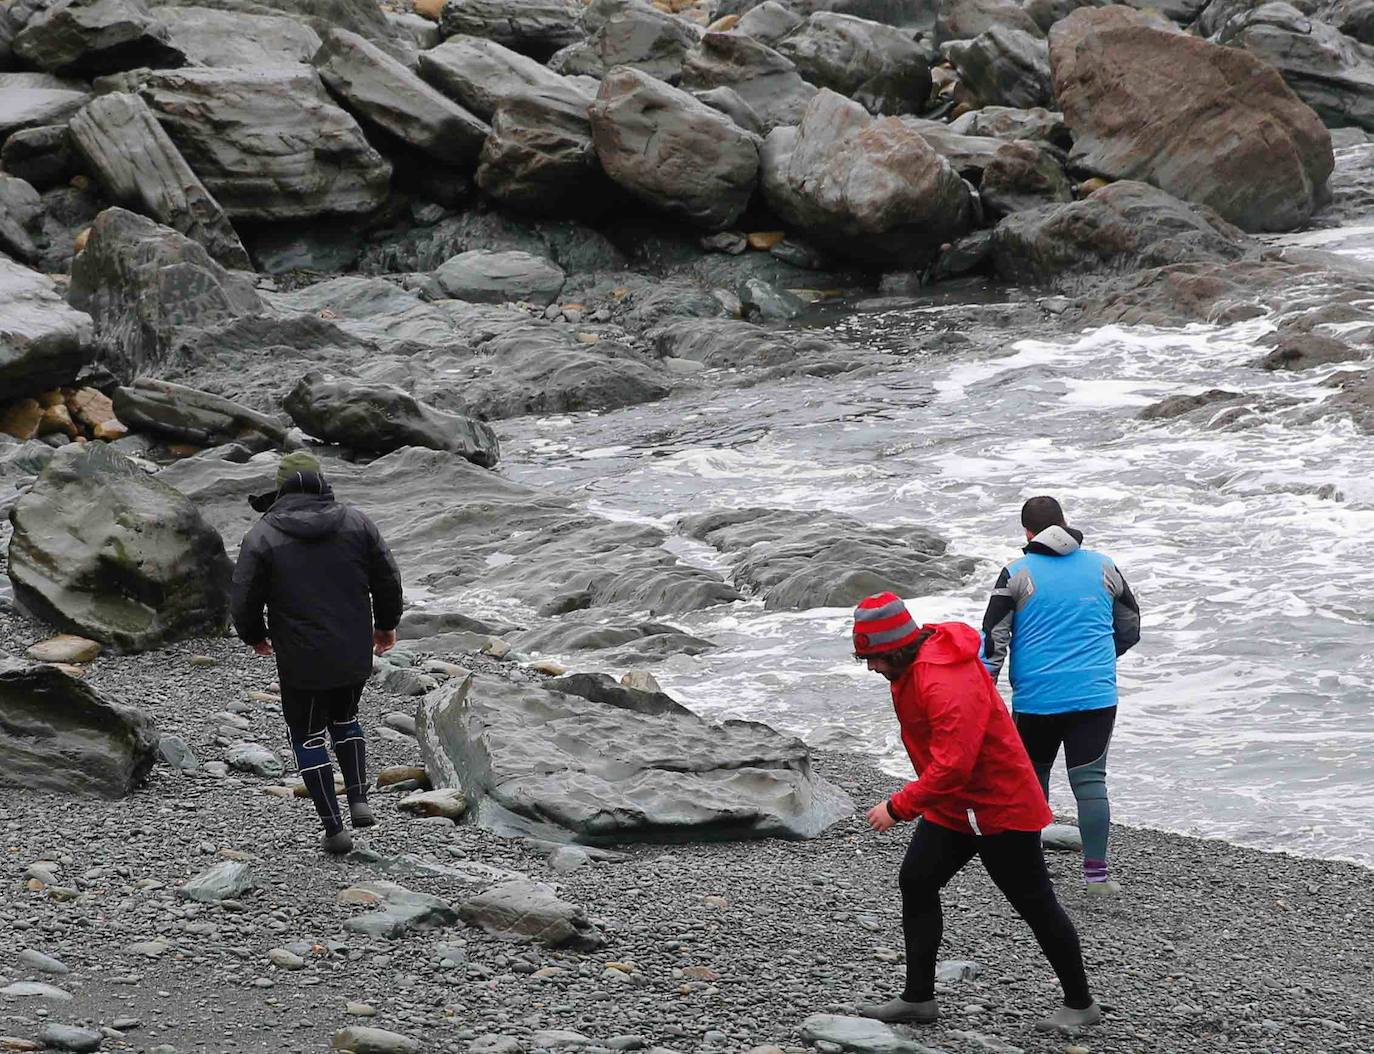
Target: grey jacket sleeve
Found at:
x=997, y=624
x=1125, y=612
x=248, y=597
x=383, y=581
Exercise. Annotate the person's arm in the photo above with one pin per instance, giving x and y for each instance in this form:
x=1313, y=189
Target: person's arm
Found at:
x=248, y=595
x=997, y=622
x=1125, y=612
x=957, y=710
x=384, y=583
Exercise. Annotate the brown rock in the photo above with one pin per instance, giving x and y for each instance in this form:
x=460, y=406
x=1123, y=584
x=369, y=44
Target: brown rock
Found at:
x=57, y=419
x=723, y=25
x=700, y=973
x=401, y=773
x=430, y=9
x=64, y=648
x=49, y=398
x=82, y=237
x=21, y=419
x=109, y=431
x=765, y=240
x=90, y=407
x=1088, y=186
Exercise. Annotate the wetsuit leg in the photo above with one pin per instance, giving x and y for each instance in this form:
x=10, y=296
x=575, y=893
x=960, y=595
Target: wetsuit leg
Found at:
x=1041, y=735
x=350, y=746
x=934, y=856
x=1087, y=737
x=306, y=717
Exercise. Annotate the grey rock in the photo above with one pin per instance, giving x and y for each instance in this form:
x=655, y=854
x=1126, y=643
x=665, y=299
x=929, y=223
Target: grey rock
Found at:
x=35, y=990
x=539, y=157
x=568, y=858
x=186, y=415
x=1125, y=226
x=631, y=33
x=801, y=560
x=138, y=167
x=728, y=102
x=21, y=221
x=494, y=1044
x=969, y=154
x=1003, y=67
x=254, y=758
x=1046, y=13
x=532, y=911
x=401, y=912
x=92, y=37
x=880, y=67
x=382, y=418
x=900, y=199
x=485, y=277
x=224, y=38
x=533, y=27
x=668, y=149
x=43, y=342
x=379, y=88
x=176, y=752
x=226, y=880
x=364, y=17
x=482, y=74
x=761, y=302
x=149, y=571
x=949, y=971
x=860, y=1035
x=1304, y=351
x=419, y=30
x=1328, y=70
x=70, y=1037
x=357, y=1039
x=408, y=683
x=728, y=344
x=972, y=252
x=36, y=960
x=602, y=771
x=635, y=641
x=1149, y=104
x=1181, y=12
x=42, y=157
x=769, y=82
x=59, y=734
x=35, y=99
x=966, y=19
x=252, y=137
x=142, y=282
x=1023, y=175
x=769, y=22
x=1354, y=18
x=1002, y=122
x=602, y=688
x=910, y=14
x=1062, y=838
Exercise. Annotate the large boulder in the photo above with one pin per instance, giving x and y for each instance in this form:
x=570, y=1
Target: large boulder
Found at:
x=484, y=277
x=42, y=157
x=536, y=761
x=377, y=87
x=1003, y=67
x=57, y=733
x=208, y=37
x=879, y=66
x=102, y=549
x=364, y=17
x=634, y=34
x=21, y=221
x=801, y=560
x=767, y=81
x=672, y=151
x=539, y=157
x=1125, y=226
x=142, y=282
x=268, y=143
x=185, y=415
x=1024, y=175
x=1354, y=18
x=35, y=99
x=1001, y=122
x=869, y=189
x=138, y=166
x=88, y=38
x=770, y=22
x=1209, y=124
x=381, y=418
x=536, y=28
x=482, y=74
x=43, y=342
x=966, y=19
x=1328, y=70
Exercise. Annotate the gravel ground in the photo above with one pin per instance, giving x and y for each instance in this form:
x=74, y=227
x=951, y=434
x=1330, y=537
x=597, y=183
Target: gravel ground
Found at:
x=721, y=947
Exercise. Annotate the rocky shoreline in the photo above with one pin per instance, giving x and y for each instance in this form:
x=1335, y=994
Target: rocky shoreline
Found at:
x=708, y=946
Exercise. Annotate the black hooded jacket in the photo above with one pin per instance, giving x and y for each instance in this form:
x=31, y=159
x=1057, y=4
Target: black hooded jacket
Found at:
x=326, y=578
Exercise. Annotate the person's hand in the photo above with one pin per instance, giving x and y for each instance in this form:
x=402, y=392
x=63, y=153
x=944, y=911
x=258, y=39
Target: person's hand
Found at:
x=879, y=818
x=263, y=648
x=383, y=640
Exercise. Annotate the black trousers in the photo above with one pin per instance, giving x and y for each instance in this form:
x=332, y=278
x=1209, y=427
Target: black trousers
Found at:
x=1016, y=864
x=310, y=717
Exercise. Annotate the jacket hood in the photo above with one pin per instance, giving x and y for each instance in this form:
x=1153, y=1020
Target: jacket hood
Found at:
x=952, y=642
x=1055, y=541
x=306, y=516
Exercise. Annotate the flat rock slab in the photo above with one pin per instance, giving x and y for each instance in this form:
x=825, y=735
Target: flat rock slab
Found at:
x=211, y=37
x=57, y=733
x=64, y=648
x=536, y=28
x=485, y=277
x=357, y=1039
x=524, y=910
x=400, y=912
x=71, y=1037
x=34, y=990
x=30, y=100
x=860, y=1035
x=530, y=760
x=43, y=342
x=482, y=74
x=227, y=880
x=88, y=38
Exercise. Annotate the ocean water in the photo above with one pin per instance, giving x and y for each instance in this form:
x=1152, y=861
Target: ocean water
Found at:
x=1247, y=711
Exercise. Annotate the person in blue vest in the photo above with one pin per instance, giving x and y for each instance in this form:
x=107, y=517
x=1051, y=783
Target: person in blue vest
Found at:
x=1064, y=615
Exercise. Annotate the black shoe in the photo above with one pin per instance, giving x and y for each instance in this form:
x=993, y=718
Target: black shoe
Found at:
x=338, y=843
x=898, y=1010
x=360, y=814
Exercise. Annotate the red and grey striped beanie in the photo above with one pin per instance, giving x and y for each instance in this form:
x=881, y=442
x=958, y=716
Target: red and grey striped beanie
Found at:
x=882, y=624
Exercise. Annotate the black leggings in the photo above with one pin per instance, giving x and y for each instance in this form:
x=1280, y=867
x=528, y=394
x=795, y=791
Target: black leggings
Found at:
x=308, y=715
x=1016, y=863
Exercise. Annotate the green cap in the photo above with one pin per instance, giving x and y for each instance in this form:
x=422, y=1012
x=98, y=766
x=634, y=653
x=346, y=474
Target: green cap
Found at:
x=296, y=461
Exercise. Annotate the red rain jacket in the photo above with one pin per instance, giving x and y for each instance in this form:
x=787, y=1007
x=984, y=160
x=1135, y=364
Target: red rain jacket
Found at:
x=962, y=743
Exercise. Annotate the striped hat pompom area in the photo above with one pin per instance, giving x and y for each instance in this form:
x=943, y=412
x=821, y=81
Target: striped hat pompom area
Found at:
x=882, y=624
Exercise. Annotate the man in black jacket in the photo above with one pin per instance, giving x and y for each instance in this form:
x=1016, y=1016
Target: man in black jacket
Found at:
x=333, y=596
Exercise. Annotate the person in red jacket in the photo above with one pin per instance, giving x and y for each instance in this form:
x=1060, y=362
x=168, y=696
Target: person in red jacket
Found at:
x=977, y=794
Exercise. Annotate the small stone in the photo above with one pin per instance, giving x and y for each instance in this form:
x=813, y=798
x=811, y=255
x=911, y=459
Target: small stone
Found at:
x=399, y=774
x=36, y=960
x=360, y=1040
x=568, y=858
x=359, y=1010
x=447, y=669
x=176, y=753
x=641, y=681
x=1062, y=837
x=15, y=1043
x=724, y=24
x=400, y=722
x=254, y=758
x=69, y=1037
x=496, y=648
x=355, y=897
x=227, y=880
x=430, y=9
x=546, y=972
x=557, y=1038
x=203, y=662
x=283, y=959
x=148, y=949
x=762, y=241
x=34, y=990
x=1089, y=185
x=109, y=431
x=21, y=419
x=65, y=648
x=548, y=666
x=494, y=1044
x=952, y=970
x=63, y=894
x=126, y=1024
x=447, y=802
x=1074, y=1048
x=700, y=973
x=715, y=902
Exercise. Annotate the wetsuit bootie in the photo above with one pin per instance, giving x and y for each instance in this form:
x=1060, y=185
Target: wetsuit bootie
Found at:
x=1068, y=1019
x=360, y=814
x=1106, y=889
x=899, y=1010
x=338, y=843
